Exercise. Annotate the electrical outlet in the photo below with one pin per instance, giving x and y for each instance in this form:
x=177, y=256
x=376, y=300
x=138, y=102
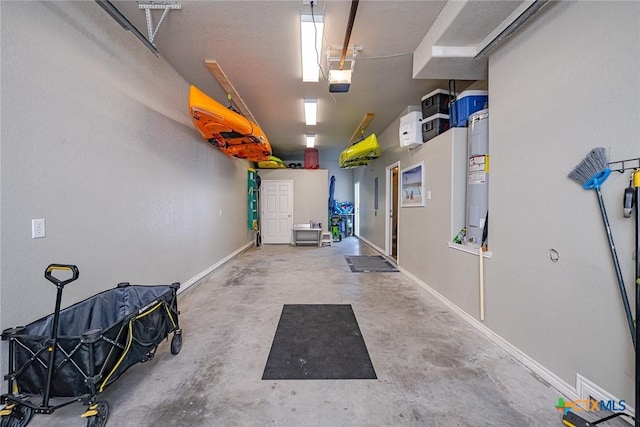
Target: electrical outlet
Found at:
x=37, y=228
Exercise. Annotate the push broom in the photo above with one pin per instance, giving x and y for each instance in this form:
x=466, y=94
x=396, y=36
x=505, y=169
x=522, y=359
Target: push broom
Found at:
x=591, y=173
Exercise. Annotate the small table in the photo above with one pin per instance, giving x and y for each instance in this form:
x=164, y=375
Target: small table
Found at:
x=306, y=236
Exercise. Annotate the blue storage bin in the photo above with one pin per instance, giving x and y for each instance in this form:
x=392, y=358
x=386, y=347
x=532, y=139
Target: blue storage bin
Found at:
x=469, y=102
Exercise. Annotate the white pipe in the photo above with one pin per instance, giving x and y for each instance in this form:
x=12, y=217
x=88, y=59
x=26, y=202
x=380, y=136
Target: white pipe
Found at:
x=481, y=274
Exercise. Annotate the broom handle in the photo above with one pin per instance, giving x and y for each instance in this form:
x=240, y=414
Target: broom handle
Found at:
x=481, y=274
x=636, y=184
x=616, y=264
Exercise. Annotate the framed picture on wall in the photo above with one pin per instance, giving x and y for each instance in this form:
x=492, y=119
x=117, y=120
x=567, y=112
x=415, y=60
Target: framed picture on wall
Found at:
x=412, y=185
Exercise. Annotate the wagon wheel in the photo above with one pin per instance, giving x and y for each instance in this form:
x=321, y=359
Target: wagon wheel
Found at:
x=19, y=417
x=99, y=419
x=176, y=342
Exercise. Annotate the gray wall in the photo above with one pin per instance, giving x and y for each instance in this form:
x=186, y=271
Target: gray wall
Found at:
x=549, y=89
x=328, y=159
x=564, y=84
x=310, y=192
x=423, y=232
x=97, y=140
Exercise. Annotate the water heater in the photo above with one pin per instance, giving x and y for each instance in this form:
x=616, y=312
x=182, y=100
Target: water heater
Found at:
x=477, y=177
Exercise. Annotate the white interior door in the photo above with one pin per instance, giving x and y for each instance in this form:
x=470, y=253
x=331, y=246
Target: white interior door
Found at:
x=276, y=210
x=391, y=217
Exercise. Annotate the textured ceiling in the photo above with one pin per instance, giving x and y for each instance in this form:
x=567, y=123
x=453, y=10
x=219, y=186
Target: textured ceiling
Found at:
x=257, y=44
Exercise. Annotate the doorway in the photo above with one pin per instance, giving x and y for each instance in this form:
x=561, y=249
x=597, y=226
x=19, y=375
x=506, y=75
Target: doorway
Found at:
x=391, y=217
x=356, y=208
x=276, y=211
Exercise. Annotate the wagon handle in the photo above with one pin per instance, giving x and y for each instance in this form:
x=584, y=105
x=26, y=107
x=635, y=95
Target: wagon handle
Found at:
x=52, y=343
x=66, y=267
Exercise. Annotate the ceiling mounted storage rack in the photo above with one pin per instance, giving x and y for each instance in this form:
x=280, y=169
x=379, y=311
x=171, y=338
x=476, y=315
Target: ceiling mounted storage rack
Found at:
x=232, y=94
x=148, y=7
x=359, y=132
x=113, y=11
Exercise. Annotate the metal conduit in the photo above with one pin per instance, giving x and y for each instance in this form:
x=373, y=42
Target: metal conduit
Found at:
x=511, y=28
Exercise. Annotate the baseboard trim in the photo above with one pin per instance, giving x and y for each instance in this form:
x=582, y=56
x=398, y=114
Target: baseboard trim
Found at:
x=587, y=390
x=377, y=248
x=556, y=382
x=184, y=286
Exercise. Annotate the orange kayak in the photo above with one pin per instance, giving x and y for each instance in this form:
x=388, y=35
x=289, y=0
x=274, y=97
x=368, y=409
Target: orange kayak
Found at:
x=232, y=133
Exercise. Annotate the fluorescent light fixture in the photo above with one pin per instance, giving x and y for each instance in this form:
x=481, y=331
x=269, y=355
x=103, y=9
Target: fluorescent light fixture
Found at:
x=311, y=141
x=311, y=27
x=339, y=80
x=311, y=111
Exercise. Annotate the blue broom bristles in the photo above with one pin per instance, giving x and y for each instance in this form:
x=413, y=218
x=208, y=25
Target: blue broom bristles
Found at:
x=593, y=170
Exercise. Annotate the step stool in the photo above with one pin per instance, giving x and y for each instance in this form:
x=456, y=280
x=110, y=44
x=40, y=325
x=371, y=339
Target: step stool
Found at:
x=327, y=237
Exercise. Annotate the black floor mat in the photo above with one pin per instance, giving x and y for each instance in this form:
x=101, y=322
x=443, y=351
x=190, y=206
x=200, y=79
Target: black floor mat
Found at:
x=369, y=264
x=318, y=341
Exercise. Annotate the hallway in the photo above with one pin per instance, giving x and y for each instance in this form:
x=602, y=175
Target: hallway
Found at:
x=433, y=368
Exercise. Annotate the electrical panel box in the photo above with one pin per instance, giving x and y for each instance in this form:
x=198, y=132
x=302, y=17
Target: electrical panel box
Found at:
x=410, y=132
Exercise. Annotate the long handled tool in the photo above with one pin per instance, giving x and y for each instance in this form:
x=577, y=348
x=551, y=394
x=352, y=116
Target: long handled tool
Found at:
x=591, y=173
x=635, y=182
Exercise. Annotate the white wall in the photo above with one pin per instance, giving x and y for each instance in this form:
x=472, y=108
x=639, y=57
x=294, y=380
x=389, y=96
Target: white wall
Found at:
x=97, y=140
x=565, y=83
x=310, y=192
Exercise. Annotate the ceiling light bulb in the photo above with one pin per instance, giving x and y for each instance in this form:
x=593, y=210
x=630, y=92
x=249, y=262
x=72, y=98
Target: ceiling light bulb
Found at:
x=311, y=27
x=311, y=141
x=311, y=111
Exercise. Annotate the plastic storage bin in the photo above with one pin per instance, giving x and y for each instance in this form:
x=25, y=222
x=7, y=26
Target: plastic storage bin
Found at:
x=436, y=102
x=434, y=126
x=466, y=104
x=311, y=158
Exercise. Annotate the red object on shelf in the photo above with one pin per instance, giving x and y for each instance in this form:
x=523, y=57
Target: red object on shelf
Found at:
x=311, y=158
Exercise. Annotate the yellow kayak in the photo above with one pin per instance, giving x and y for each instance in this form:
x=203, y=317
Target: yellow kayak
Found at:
x=232, y=133
x=360, y=153
x=272, y=163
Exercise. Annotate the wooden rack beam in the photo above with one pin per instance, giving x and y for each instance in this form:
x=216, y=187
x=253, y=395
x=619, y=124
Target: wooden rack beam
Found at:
x=361, y=128
x=225, y=83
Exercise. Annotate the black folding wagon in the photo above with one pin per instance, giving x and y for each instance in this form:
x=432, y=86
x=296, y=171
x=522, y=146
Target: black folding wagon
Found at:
x=73, y=354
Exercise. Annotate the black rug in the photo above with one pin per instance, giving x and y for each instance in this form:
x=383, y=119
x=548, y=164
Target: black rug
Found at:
x=318, y=342
x=369, y=264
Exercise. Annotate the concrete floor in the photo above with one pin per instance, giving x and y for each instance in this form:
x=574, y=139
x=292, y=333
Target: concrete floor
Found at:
x=433, y=368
